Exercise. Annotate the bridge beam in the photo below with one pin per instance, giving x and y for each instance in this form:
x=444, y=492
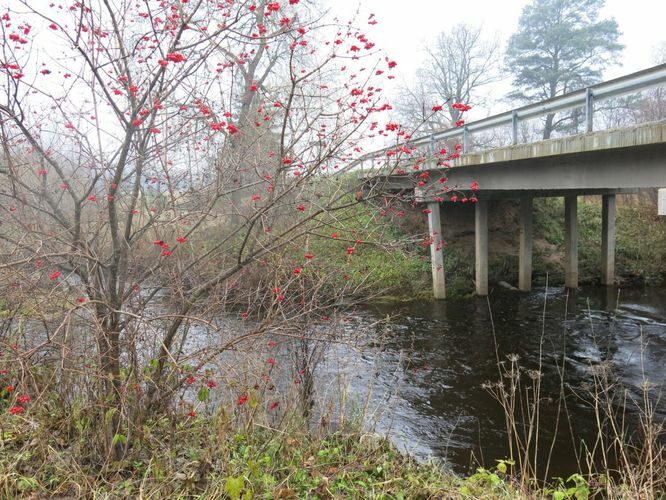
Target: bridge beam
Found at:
x=436, y=253
x=608, y=239
x=571, y=241
x=481, y=246
x=525, y=256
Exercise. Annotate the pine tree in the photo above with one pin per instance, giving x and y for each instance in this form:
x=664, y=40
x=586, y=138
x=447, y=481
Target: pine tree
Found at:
x=560, y=46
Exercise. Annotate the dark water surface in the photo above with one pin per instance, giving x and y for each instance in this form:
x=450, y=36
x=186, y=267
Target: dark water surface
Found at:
x=426, y=366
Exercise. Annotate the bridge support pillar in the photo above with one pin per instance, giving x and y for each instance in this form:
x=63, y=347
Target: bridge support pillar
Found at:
x=525, y=257
x=436, y=253
x=481, y=246
x=608, y=239
x=571, y=241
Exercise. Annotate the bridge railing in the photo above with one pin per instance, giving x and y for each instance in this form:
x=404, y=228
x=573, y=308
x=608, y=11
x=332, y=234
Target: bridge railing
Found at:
x=586, y=98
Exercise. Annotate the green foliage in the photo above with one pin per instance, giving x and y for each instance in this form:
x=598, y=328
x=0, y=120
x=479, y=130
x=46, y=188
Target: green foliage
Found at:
x=490, y=482
x=575, y=487
x=385, y=262
x=561, y=45
x=641, y=243
x=119, y=439
x=192, y=458
x=210, y=457
x=233, y=487
x=548, y=220
x=640, y=240
x=403, y=270
x=203, y=394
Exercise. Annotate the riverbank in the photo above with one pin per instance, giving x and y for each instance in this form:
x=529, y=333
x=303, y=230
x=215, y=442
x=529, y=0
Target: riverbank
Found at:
x=208, y=457
x=45, y=452
x=242, y=446
x=50, y=443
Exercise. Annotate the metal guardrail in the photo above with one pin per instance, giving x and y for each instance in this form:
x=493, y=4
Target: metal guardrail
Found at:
x=586, y=97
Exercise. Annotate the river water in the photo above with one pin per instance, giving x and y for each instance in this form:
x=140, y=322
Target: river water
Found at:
x=416, y=371
x=423, y=370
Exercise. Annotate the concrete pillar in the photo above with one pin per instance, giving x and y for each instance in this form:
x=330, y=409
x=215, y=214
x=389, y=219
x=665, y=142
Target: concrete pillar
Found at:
x=608, y=239
x=525, y=256
x=661, y=202
x=610, y=299
x=481, y=240
x=571, y=241
x=436, y=254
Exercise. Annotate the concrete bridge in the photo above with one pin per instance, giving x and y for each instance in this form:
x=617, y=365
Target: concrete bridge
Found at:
x=602, y=163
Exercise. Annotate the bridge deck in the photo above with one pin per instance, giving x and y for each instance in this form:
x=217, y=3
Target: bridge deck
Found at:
x=598, y=162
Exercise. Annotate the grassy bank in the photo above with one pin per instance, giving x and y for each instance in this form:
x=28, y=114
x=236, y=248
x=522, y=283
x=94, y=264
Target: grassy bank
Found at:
x=640, y=256
x=243, y=446
x=373, y=255
x=42, y=456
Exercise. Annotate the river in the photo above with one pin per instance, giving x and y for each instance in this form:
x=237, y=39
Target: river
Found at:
x=426, y=367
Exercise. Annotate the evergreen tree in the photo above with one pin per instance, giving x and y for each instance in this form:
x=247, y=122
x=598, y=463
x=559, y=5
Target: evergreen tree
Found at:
x=560, y=46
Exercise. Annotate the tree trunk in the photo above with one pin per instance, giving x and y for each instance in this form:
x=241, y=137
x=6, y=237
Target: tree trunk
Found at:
x=548, y=128
x=108, y=342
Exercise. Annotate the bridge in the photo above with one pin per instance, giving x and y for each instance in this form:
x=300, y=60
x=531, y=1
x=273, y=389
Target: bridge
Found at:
x=604, y=163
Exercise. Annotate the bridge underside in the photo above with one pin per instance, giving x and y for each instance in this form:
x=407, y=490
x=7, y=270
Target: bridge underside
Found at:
x=608, y=170
x=634, y=158
x=607, y=263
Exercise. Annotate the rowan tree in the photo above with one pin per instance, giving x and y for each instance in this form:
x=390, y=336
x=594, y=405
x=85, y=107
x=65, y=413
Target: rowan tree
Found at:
x=128, y=130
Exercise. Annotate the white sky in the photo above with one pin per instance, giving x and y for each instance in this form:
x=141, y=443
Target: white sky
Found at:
x=406, y=25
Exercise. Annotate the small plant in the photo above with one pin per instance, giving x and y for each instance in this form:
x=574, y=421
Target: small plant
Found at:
x=495, y=482
x=574, y=487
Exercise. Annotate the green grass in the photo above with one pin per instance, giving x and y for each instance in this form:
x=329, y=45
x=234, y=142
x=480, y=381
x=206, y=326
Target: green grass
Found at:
x=640, y=240
x=211, y=458
x=204, y=458
x=386, y=262
x=403, y=270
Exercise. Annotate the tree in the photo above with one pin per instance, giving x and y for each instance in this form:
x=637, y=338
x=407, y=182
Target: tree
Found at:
x=459, y=64
x=560, y=46
x=123, y=135
x=653, y=103
x=646, y=106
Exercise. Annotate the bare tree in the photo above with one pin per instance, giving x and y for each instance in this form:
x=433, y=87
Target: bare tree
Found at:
x=124, y=128
x=652, y=106
x=646, y=106
x=459, y=64
x=660, y=53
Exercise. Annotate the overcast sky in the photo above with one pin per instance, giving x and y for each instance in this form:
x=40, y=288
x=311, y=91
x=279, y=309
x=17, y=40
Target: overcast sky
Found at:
x=406, y=25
